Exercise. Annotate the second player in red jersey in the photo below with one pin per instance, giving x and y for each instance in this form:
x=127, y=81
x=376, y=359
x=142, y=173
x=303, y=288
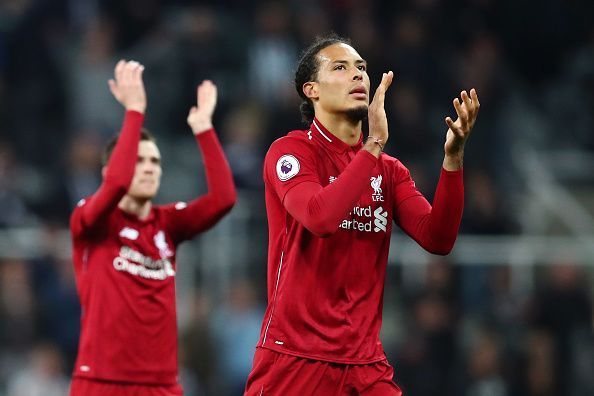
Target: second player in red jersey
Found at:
x=331, y=199
x=124, y=251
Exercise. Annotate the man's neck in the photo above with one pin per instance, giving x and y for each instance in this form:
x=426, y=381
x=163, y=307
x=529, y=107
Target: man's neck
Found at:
x=140, y=208
x=342, y=127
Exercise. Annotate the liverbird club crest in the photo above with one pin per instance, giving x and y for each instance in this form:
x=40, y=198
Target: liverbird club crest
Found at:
x=376, y=183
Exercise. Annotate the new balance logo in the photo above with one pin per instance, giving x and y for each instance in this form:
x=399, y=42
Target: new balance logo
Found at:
x=129, y=233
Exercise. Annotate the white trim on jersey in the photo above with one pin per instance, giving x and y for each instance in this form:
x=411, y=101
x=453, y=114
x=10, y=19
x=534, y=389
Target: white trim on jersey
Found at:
x=274, y=298
x=320, y=130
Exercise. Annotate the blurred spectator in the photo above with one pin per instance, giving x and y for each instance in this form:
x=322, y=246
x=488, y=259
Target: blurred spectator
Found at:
x=426, y=363
x=17, y=317
x=83, y=163
x=91, y=105
x=55, y=290
x=542, y=379
x=198, y=356
x=43, y=375
x=243, y=128
x=235, y=328
x=17, y=305
x=198, y=28
x=484, y=367
x=484, y=212
x=406, y=108
x=312, y=21
x=272, y=55
x=562, y=308
x=13, y=211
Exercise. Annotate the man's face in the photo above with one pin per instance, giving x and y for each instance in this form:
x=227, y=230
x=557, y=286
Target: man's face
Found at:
x=342, y=84
x=147, y=176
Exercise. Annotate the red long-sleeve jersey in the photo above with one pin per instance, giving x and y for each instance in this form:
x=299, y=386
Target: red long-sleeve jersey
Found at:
x=125, y=267
x=330, y=210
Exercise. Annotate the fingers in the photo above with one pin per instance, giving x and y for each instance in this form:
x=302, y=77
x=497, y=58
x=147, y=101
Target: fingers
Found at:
x=127, y=85
x=206, y=94
x=467, y=103
x=192, y=111
x=475, y=100
x=467, y=111
x=127, y=73
x=462, y=113
x=130, y=72
x=453, y=127
x=137, y=74
x=119, y=70
x=380, y=92
x=389, y=79
x=113, y=87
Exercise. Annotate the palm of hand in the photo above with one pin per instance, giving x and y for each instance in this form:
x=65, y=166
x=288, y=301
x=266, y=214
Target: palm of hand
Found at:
x=459, y=130
x=200, y=116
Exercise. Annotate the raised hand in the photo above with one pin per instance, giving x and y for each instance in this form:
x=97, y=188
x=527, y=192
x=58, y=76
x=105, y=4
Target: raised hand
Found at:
x=459, y=130
x=200, y=116
x=376, y=114
x=127, y=85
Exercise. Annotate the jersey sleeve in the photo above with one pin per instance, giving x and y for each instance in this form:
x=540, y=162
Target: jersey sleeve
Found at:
x=434, y=228
x=186, y=220
x=288, y=163
x=319, y=209
x=90, y=215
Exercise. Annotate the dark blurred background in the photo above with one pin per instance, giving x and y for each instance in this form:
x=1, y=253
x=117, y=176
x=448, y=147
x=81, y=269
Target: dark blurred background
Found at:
x=508, y=313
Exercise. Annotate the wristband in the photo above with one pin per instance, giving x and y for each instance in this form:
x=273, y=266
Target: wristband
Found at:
x=377, y=141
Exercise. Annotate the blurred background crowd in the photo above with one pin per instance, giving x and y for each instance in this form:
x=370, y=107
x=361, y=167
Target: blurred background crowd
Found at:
x=509, y=313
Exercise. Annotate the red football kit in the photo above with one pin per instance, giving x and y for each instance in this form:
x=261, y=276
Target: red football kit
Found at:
x=330, y=210
x=125, y=267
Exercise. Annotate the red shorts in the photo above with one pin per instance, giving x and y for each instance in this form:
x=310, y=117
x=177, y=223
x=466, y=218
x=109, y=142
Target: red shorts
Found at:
x=278, y=374
x=87, y=387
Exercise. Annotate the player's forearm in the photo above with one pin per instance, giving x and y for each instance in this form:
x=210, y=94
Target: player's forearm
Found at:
x=219, y=178
x=436, y=228
x=119, y=172
x=121, y=165
x=321, y=210
x=453, y=162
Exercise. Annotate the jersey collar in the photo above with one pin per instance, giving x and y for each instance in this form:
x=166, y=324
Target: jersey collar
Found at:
x=325, y=137
x=135, y=218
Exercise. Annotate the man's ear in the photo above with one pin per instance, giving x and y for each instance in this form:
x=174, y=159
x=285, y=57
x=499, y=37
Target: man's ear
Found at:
x=310, y=89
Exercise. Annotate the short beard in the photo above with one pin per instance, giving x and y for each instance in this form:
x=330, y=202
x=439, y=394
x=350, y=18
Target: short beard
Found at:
x=357, y=114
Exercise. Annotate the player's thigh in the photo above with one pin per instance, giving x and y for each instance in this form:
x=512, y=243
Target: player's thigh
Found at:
x=376, y=380
x=277, y=374
x=85, y=387
x=382, y=388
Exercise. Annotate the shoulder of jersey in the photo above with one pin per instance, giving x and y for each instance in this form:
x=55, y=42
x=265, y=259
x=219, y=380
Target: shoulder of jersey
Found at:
x=294, y=136
x=172, y=206
x=297, y=138
x=388, y=159
x=284, y=154
x=82, y=201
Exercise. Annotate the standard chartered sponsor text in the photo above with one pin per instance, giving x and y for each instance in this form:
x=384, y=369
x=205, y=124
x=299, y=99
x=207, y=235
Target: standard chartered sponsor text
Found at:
x=377, y=217
x=135, y=263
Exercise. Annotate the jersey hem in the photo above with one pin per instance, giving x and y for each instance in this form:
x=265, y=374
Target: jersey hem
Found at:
x=324, y=358
x=125, y=381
